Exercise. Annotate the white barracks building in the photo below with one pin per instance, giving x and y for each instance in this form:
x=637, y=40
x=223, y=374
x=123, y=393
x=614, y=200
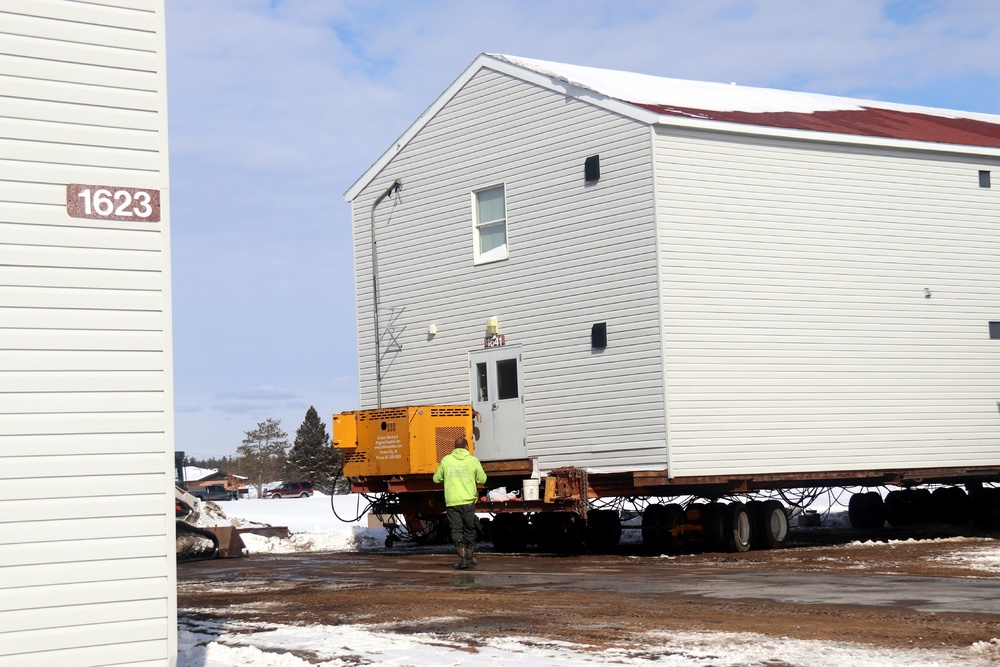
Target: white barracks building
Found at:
x=696, y=280
x=87, y=565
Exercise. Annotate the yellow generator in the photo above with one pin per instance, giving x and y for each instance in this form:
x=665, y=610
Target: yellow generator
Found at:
x=408, y=440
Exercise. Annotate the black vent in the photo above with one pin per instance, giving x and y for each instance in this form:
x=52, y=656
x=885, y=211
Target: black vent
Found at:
x=592, y=169
x=599, y=336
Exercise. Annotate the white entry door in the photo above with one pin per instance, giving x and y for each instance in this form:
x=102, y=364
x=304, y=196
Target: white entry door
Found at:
x=497, y=383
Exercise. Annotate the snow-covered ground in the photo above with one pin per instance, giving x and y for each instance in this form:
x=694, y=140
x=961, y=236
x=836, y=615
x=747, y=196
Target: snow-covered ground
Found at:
x=315, y=527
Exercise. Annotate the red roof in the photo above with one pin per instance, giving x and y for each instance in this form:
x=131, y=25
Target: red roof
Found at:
x=867, y=121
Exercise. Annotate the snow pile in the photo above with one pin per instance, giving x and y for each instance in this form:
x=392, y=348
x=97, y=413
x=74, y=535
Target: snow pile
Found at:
x=212, y=644
x=354, y=539
x=990, y=648
x=317, y=523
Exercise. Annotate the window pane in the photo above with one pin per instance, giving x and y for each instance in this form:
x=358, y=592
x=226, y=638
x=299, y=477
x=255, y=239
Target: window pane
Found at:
x=507, y=378
x=484, y=394
x=492, y=236
x=490, y=205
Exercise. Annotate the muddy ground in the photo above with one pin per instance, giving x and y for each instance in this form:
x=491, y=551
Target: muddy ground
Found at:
x=896, y=594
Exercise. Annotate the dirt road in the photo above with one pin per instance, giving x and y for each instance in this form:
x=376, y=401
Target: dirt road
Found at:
x=900, y=594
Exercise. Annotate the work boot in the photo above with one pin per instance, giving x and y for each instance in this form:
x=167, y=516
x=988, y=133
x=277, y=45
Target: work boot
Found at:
x=470, y=554
x=463, y=556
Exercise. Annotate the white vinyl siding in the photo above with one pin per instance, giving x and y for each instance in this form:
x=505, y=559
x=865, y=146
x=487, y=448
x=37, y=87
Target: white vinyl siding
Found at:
x=578, y=255
x=86, y=436
x=798, y=336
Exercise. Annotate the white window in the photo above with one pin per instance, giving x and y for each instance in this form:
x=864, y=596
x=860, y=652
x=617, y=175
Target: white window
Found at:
x=490, y=219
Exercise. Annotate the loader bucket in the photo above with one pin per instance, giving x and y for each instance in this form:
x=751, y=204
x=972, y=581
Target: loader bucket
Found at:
x=230, y=543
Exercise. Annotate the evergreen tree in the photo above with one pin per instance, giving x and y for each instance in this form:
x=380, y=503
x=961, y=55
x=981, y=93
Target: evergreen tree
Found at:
x=263, y=454
x=313, y=457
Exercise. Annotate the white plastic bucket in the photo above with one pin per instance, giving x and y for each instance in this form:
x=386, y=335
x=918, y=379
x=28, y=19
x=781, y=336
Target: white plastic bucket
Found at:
x=530, y=490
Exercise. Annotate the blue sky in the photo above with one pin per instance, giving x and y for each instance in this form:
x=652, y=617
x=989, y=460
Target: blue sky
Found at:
x=276, y=107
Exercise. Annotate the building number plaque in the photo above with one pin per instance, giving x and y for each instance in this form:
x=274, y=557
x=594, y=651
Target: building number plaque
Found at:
x=106, y=202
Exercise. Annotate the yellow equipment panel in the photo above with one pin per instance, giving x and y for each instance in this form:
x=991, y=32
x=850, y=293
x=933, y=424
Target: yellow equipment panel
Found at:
x=409, y=440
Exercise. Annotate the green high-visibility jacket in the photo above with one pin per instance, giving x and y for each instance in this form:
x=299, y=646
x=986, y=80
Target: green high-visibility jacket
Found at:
x=460, y=471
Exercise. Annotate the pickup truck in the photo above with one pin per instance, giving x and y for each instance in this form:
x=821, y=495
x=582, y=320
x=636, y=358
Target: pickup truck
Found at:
x=213, y=492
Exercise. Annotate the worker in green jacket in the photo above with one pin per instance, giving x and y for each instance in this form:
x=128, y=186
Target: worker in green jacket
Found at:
x=461, y=472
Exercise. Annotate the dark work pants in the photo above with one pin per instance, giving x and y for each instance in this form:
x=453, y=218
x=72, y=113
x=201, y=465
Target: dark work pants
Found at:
x=462, y=520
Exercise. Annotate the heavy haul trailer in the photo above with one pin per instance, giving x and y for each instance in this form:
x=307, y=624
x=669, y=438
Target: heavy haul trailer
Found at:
x=393, y=452
x=681, y=287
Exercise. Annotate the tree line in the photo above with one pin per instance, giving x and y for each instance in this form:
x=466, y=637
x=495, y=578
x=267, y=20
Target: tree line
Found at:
x=266, y=456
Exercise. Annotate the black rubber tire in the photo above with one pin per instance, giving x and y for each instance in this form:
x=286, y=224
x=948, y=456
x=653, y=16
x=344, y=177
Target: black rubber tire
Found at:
x=653, y=520
x=897, y=509
x=866, y=511
x=510, y=532
x=905, y=507
x=986, y=508
x=923, y=504
x=276, y=496
x=558, y=532
x=673, y=541
x=770, y=524
x=604, y=530
x=738, y=528
x=714, y=517
x=950, y=504
x=303, y=495
x=571, y=529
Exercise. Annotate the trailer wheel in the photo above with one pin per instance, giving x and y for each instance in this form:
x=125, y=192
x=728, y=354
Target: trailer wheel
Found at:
x=737, y=529
x=428, y=528
x=604, y=530
x=559, y=531
x=714, y=518
x=986, y=508
x=770, y=525
x=866, y=511
x=653, y=520
x=950, y=504
x=510, y=532
x=906, y=507
x=673, y=518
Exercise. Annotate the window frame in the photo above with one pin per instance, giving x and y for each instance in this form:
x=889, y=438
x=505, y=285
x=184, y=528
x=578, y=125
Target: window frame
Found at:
x=501, y=252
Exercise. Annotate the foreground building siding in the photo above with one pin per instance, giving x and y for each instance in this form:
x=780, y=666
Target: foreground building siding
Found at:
x=87, y=572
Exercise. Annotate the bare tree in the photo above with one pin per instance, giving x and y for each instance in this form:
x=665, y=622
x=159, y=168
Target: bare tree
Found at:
x=263, y=453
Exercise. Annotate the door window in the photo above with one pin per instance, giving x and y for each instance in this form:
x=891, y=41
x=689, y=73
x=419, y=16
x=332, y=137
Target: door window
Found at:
x=482, y=390
x=506, y=378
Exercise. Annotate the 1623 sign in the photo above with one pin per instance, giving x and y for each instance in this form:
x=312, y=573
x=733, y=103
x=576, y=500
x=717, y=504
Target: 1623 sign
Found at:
x=107, y=202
